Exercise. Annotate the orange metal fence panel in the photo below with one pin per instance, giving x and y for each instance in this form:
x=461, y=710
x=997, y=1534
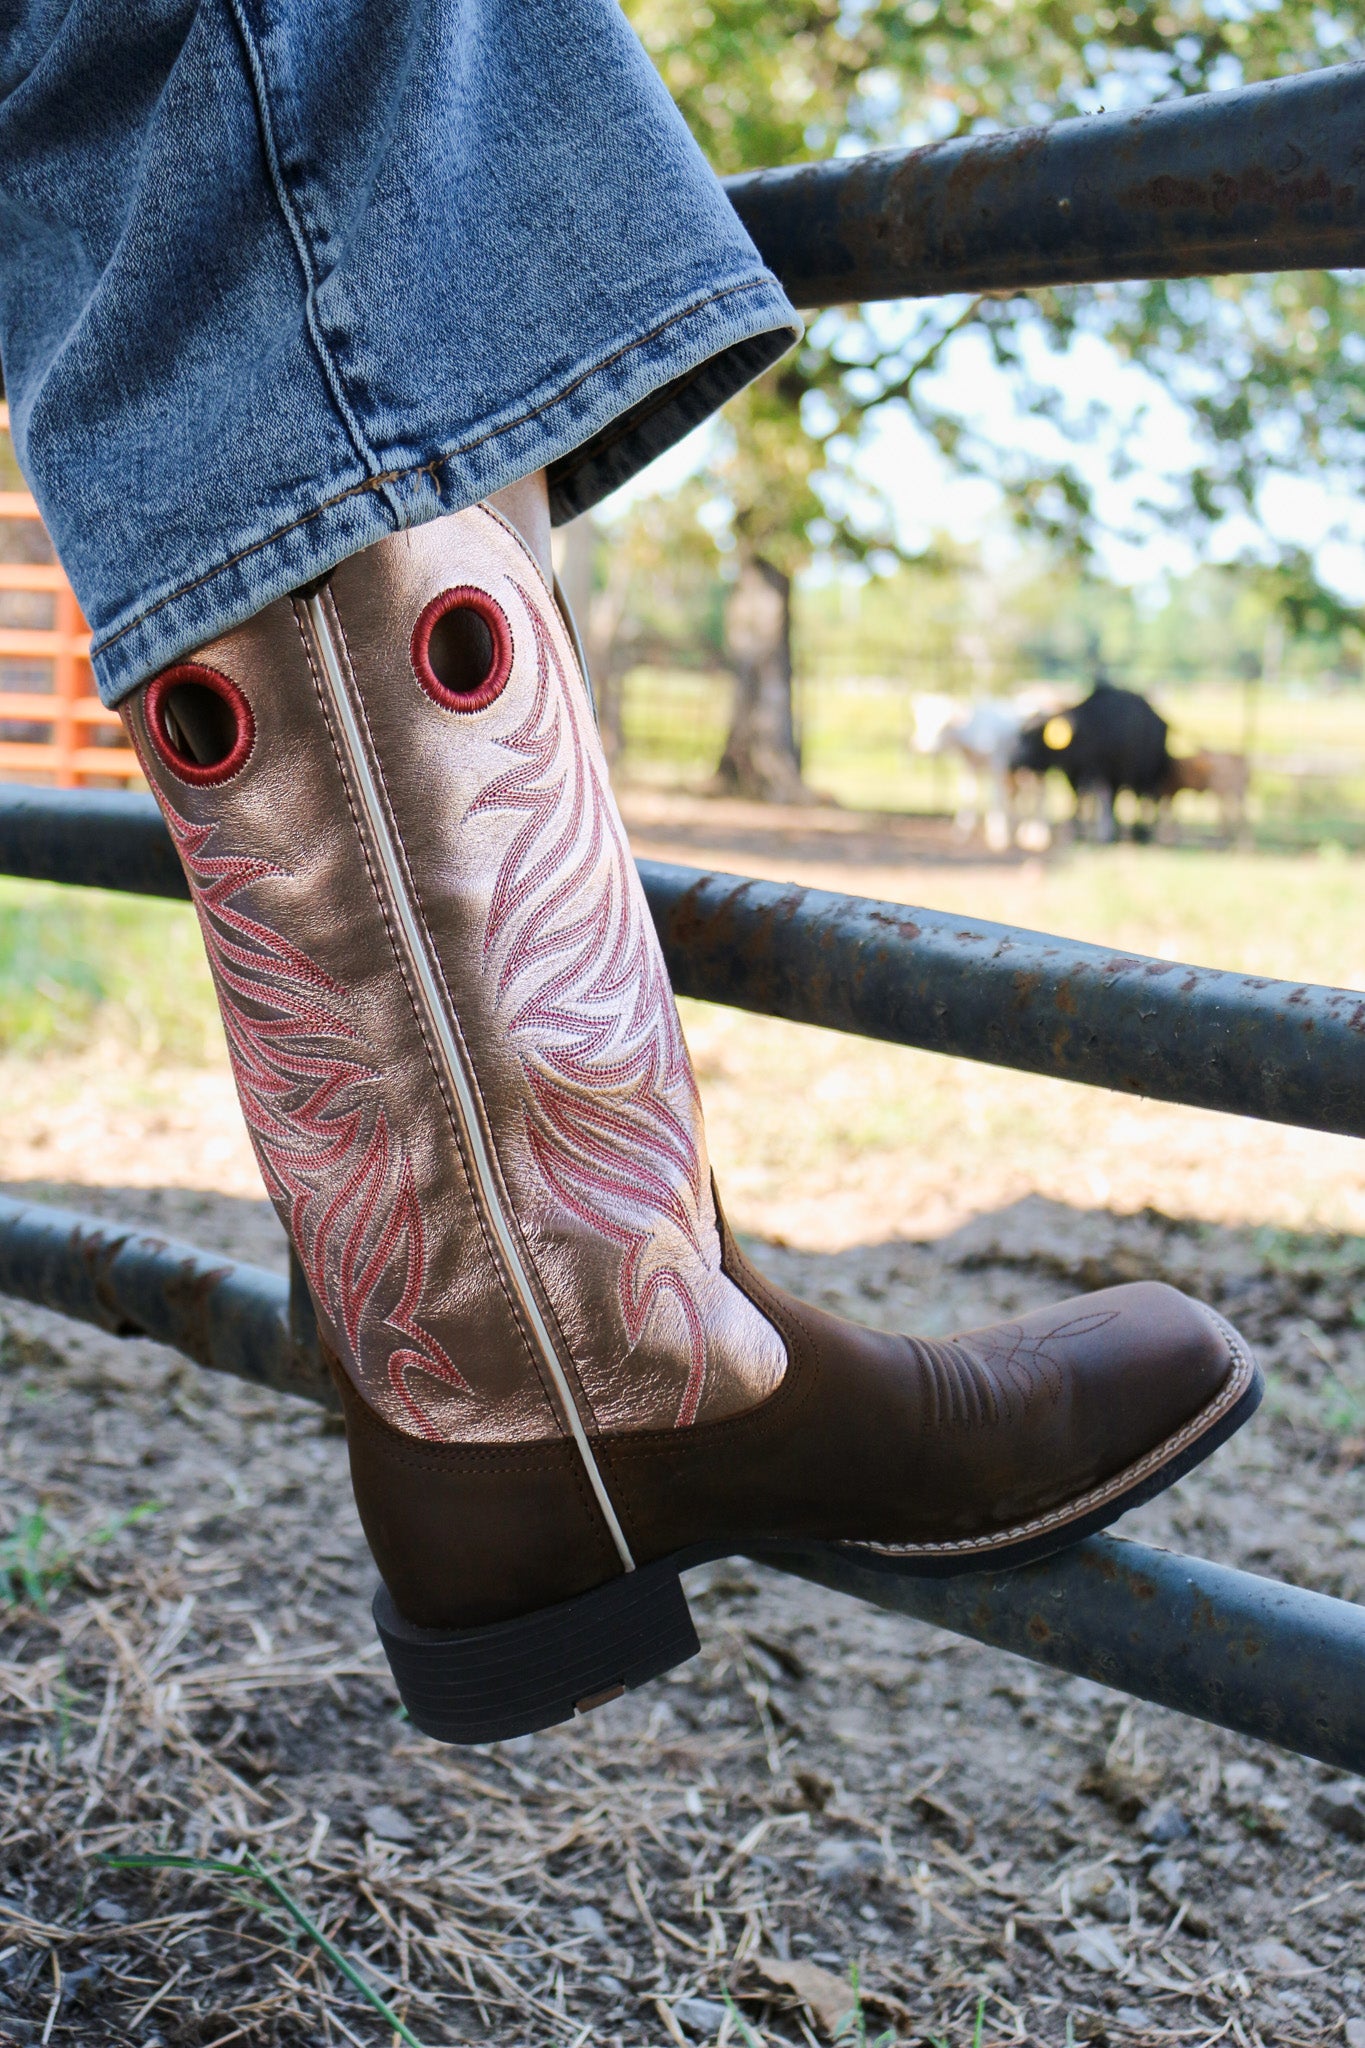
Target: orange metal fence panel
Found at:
x=69, y=753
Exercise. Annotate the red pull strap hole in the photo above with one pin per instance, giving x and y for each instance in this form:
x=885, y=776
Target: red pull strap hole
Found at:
x=462, y=650
x=199, y=723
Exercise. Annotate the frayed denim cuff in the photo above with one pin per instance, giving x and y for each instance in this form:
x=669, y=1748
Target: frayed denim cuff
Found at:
x=606, y=422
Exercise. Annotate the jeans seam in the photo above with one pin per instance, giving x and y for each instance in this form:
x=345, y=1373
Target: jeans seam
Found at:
x=331, y=370
x=437, y=462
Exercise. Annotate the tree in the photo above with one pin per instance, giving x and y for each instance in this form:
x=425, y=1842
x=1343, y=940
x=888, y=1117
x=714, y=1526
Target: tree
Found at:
x=1269, y=369
x=652, y=596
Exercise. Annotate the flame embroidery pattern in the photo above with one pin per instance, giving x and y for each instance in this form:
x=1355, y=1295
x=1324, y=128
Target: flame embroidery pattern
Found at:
x=341, y=1180
x=589, y=1011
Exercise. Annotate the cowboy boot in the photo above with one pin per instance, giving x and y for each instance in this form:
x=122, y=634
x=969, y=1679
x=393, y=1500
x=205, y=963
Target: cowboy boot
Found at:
x=464, y=1077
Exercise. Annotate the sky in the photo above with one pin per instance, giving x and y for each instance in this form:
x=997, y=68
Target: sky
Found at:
x=927, y=497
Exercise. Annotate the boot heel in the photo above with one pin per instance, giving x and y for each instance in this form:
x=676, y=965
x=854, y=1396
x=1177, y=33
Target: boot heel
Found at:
x=513, y=1677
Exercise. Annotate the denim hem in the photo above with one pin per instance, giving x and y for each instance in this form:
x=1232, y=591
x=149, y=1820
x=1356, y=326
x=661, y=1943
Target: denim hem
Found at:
x=604, y=423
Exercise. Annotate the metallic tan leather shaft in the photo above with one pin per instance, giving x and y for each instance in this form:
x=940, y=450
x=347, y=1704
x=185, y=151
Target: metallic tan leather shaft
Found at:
x=453, y=1036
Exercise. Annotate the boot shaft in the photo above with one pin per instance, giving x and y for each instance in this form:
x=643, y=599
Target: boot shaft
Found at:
x=449, y=1021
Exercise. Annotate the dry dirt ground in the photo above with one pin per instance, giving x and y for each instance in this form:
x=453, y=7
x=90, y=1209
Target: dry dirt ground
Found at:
x=187, y=1665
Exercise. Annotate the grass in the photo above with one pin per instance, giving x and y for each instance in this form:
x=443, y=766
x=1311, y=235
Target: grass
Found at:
x=1342, y=1408
x=851, y=2030
x=978, y=2029
x=892, y=1141
x=37, y=1563
x=248, y=1867
x=78, y=965
x=1292, y=916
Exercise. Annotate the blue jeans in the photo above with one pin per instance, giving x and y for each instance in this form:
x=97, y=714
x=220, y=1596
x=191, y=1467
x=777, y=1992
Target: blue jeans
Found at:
x=279, y=276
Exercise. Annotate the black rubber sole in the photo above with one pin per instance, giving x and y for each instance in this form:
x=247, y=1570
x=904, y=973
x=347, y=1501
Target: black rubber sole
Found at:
x=515, y=1677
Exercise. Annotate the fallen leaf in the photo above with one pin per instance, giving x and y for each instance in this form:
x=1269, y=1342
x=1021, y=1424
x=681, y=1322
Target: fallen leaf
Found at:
x=828, y=1998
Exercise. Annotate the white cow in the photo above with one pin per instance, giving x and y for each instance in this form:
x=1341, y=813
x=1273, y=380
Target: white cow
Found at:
x=983, y=736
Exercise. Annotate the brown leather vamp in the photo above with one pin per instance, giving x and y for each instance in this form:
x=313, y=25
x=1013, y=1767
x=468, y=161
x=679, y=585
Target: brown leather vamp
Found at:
x=871, y=1438
x=904, y=1442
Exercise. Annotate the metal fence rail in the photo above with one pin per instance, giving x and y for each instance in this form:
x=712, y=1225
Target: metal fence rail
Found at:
x=1249, y=1654
x=232, y=1317
x=1285, y=1051
x=1268, y=178
x=95, y=838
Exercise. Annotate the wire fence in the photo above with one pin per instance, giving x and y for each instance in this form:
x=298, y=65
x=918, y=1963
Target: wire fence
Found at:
x=1304, y=746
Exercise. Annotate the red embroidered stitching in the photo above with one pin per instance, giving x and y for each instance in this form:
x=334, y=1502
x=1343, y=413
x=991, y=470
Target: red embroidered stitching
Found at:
x=201, y=774
x=327, y=1153
x=596, y=1032
x=464, y=598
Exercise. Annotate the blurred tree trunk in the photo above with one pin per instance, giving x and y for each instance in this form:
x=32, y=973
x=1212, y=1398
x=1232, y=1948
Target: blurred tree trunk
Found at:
x=597, y=614
x=761, y=757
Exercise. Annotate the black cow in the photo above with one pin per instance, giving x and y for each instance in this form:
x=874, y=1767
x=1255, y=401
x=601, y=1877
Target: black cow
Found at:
x=1113, y=740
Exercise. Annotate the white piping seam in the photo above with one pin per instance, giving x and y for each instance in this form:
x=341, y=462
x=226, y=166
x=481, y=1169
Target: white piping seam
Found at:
x=452, y=1059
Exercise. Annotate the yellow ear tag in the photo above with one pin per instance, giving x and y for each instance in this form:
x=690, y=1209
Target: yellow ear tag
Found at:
x=1057, y=734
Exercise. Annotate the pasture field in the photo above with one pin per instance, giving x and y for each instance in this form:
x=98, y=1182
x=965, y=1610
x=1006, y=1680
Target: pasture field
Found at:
x=187, y=1666
x=1308, y=749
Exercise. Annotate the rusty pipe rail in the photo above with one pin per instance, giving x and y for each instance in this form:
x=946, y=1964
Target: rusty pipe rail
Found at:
x=1287, y=1052
x=1247, y=1653
x=231, y=1317
x=1270, y=177
x=1284, y=1051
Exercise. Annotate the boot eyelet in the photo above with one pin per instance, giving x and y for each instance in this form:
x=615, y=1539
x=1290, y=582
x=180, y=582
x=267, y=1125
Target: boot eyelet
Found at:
x=199, y=723
x=462, y=650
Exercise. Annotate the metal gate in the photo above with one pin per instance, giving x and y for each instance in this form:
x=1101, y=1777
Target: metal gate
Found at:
x=1264, y=179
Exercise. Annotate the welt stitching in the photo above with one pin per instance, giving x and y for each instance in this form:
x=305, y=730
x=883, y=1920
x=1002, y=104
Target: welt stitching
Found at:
x=1121, y=1482
x=413, y=1004
x=415, y=469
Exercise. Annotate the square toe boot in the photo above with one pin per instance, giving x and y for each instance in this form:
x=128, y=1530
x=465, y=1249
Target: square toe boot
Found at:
x=462, y=1070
